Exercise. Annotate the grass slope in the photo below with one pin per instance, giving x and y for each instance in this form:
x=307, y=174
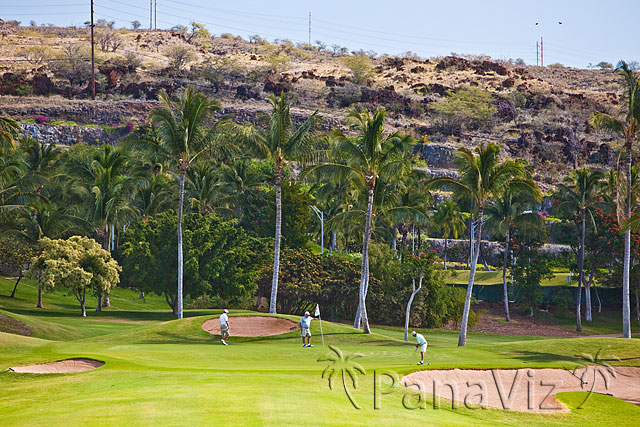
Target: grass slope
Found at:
x=162, y=371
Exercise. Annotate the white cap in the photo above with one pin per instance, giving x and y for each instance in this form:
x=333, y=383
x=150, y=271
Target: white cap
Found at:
x=225, y=311
x=306, y=313
x=414, y=333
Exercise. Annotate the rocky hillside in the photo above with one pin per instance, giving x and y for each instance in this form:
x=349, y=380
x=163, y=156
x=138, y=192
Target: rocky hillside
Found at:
x=537, y=113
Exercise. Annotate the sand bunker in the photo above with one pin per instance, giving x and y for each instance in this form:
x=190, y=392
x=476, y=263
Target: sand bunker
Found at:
x=252, y=326
x=60, y=367
x=524, y=389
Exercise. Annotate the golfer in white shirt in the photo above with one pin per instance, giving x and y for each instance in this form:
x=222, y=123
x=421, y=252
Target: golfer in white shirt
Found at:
x=224, y=326
x=305, y=322
x=422, y=343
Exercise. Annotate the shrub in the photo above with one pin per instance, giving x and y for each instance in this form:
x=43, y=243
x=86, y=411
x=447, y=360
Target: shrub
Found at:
x=360, y=67
x=179, y=57
x=468, y=108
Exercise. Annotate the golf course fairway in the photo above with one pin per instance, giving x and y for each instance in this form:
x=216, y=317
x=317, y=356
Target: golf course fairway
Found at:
x=159, y=371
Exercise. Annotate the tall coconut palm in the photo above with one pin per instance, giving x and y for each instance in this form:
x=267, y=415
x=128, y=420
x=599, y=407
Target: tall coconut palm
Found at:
x=101, y=184
x=182, y=135
x=578, y=196
x=627, y=124
x=512, y=211
x=481, y=176
x=448, y=220
x=281, y=143
x=373, y=156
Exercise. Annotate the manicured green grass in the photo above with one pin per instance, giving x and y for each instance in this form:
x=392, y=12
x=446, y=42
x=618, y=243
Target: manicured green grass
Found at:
x=161, y=371
x=495, y=278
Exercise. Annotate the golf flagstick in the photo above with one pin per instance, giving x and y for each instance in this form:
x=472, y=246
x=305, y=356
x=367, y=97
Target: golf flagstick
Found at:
x=317, y=314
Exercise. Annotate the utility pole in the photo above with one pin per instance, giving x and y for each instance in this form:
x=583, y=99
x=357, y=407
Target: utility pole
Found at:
x=541, y=52
x=309, y=27
x=93, y=68
x=537, y=53
x=155, y=15
x=150, y=15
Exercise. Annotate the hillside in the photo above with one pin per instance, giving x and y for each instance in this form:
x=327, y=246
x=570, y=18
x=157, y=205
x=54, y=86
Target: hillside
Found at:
x=537, y=113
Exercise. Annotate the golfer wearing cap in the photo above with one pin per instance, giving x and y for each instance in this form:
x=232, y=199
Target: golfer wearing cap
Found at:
x=422, y=343
x=224, y=326
x=305, y=322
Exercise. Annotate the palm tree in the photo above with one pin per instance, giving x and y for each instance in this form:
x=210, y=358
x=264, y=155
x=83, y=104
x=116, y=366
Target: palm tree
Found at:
x=481, y=176
x=182, y=135
x=9, y=131
x=579, y=195
x=280, y=143
x=509, y=212
x=628, y=124
x=374, y=157
x=203, y=188
x=448, y=219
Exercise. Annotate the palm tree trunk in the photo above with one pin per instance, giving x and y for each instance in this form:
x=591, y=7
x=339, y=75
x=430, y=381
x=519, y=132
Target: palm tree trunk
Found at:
x=462, y=339
x=332, y=245
x=394, y=243
x=15, y=287
x=446, y=242
x=178, y=309
x=484, y=261
x=406, y=317
x=276, y=251
x=626, y=312
x=106, y=302
x=82, y=303
x=580, y=271
x=364, y=274
x=505, y=290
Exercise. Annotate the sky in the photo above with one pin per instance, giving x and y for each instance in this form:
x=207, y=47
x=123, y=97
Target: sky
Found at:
x=590, y=31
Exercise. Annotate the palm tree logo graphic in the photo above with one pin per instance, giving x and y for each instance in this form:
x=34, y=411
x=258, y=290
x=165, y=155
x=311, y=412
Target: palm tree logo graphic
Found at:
x=594, y=367
x=345, y=367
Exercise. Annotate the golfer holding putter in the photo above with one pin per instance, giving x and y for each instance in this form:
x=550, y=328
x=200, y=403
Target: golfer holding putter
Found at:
x=422, y=343
x=305, y=322
x=224, y=326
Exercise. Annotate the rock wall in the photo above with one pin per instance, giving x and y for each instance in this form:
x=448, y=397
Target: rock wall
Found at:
x=70, y=135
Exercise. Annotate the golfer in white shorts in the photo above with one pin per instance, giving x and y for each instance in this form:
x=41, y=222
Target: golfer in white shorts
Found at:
x=224, y=326
x=305, y=322
x=422, y=343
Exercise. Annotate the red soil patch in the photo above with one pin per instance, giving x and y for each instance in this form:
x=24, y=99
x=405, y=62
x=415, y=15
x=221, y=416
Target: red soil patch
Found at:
x=60, y=367
x=493, y=388
x=252, y=326
x=493, y=322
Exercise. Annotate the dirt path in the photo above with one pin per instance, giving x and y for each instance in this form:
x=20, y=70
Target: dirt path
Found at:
x=525, y=389
x=252, y=326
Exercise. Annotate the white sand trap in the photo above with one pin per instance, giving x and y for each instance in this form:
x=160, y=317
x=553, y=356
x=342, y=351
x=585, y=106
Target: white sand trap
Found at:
x=252, y=326
x=60, y=367
x=524, y=389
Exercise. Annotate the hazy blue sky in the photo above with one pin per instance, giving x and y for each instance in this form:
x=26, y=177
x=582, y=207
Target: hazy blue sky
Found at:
x=591, y=31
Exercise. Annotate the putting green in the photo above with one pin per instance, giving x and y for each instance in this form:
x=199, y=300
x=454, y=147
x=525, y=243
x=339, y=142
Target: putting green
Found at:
x=171, y=372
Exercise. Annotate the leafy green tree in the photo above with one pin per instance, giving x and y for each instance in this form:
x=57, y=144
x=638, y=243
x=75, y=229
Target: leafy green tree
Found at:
x=482, y=176
x=372, y=156
x=577, y=197
x=514, y=211
x=528, y=271
x=77, y=263
x=220, y=259
x=16, y=255
x=448, y=219
x=628, y=124
x=182, y=135
x=279, y=143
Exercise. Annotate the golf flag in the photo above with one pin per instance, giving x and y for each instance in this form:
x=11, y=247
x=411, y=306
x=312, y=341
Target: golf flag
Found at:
x=317, y=314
